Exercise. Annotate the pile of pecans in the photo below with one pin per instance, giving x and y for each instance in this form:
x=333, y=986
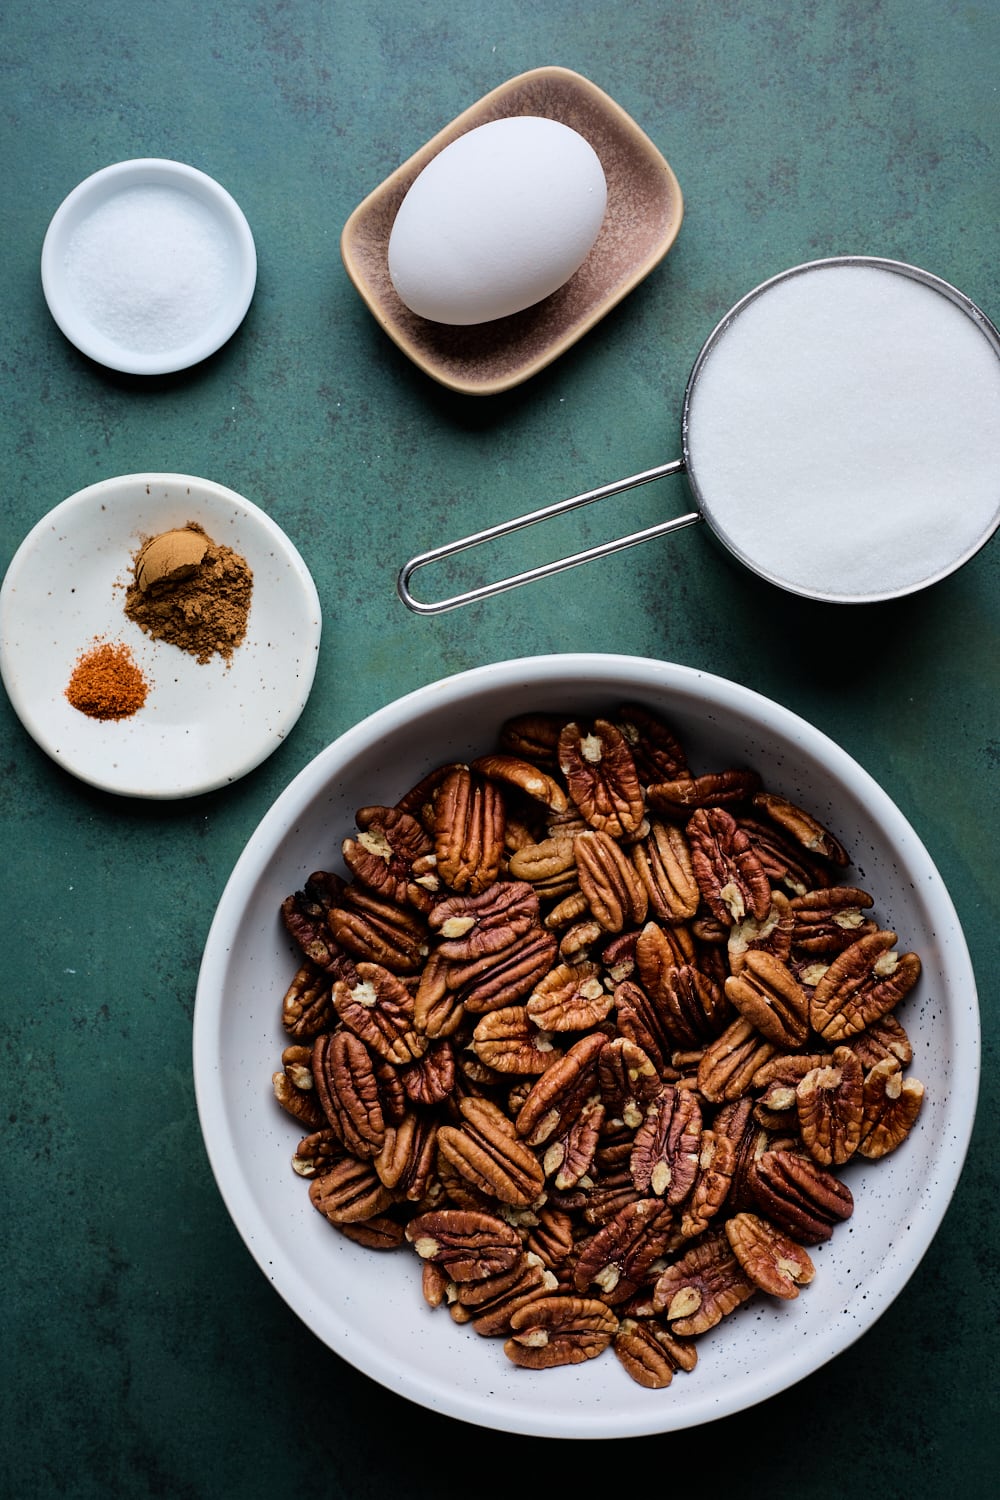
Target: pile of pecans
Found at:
x=593, y=1033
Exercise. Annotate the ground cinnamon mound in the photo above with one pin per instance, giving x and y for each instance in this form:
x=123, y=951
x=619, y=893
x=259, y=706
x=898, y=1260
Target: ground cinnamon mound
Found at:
x=106, y=683
x=204, y=614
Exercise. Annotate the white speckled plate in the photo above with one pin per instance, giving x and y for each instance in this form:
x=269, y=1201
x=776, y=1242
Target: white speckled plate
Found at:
x=202, y=726
x=368, y=1306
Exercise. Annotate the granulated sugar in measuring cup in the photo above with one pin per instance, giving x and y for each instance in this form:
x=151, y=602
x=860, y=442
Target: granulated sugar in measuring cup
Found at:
x=840, y=435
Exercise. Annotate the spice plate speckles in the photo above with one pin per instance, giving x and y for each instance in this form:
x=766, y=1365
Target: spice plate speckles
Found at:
x=203, y=724
x=148, y=266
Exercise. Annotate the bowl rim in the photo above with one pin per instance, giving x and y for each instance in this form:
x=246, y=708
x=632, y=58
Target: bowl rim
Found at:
x=372, y=1360
x=101, y=186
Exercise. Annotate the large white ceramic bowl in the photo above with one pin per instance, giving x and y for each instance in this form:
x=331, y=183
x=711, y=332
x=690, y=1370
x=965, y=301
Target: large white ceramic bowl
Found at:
x=367, y=1306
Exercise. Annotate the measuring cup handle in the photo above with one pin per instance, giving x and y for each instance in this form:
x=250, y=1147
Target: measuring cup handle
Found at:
x=484, y=591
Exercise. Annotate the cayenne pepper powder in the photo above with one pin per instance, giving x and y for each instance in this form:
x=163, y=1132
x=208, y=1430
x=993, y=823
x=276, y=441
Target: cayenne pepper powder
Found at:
x=106, y=683
x=202, y=607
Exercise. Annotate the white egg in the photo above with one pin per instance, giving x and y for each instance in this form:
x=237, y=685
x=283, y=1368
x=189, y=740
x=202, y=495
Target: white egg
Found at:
x=498, y=220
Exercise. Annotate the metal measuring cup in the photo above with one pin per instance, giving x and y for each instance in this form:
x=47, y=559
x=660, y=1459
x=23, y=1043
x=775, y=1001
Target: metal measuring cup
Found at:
x=727, y=403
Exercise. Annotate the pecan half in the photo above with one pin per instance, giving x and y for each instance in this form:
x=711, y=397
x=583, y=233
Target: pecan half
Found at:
x=533, y=736
x=380, y=1232
x=559, y=1095
x=628, y=1080
x=468, y=831
x=520, y=830
x=407, y=1159
x=600, y=1204
x=569, y=912
x=434, y=1283
x=347, y=1088
x=664, y=1159
x=419, y=800
x=431, y=1079
x=571, y=997
x=301, y=1103
x=700, y=1289
x=651, y=1355
x=370, y=928
x=663, y=863
x=830, y=920
x=317, y=1152
x=771, y=1259
x=551, y=1237
x=618, y=957
x=383, y=854
x=883, y=1038
x=656, y=750
x=305, y=915
x=729, y=1063
x=716, y=789
x=601, y=776
x=549, y=866
x=735, y=1120
x=618, y=1257
x=767, y=993
x=559, y=1330
x=569, y=1157
x=799, y=1196
x=727, y=868
x=474, y=927
x=379, y=1009
x=615, y=894
x=437, y=1010
x=307, y=1006
x=512, y=771
x=862, y=984
x=349, y=1192
x=506, y=1041
x=775, y=1085
x=785, y=862
x=716, y=1164
x=503, y=979
x=459, y=1192
x=891, y=1106
x=642, y=1022
x=493, y=1302
x=802, y=827
x=829, y=1101
x=578, y=942
x=660, y=946
x=468, y=1245
x=486, y=1150
x=773, y=934
x=693, y=1007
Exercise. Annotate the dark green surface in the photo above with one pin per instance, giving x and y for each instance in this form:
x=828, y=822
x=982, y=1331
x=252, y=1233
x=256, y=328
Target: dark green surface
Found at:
x=143, y=1351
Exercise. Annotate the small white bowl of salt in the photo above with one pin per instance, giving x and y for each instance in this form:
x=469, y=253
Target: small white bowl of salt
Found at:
x=148, y=266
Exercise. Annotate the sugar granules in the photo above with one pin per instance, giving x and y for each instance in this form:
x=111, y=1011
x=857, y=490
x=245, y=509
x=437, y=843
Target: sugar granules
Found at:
x=844, y=432
x=148, y=268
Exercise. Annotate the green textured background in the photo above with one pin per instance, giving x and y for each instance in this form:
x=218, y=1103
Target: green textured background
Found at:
x=143, y=1352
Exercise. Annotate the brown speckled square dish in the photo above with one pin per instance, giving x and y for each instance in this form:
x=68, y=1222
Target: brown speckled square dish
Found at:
x=643, y=217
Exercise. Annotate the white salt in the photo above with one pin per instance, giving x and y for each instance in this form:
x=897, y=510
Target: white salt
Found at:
x=844, y=432
x=148, y=268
